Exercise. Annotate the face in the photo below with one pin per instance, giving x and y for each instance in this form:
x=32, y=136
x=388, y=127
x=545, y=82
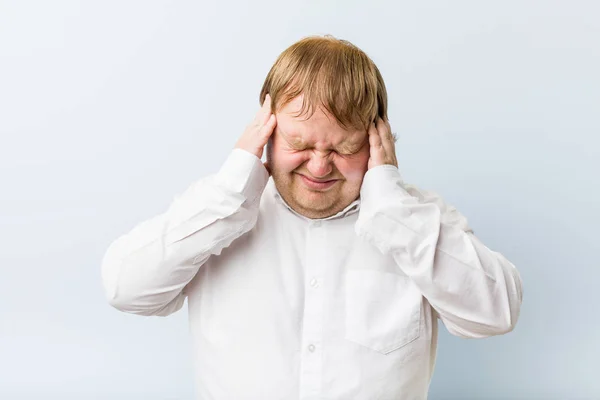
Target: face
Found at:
x=317, y=166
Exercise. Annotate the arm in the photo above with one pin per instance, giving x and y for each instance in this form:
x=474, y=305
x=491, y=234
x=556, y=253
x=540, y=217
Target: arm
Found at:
x=477, y=292
x=145, y=270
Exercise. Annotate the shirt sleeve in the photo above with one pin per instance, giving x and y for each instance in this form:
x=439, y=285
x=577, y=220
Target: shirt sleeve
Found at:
x=475, y=291
x=145, y=270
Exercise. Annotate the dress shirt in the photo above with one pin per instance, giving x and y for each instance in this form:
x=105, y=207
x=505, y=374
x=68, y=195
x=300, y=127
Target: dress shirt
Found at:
x=286, y=307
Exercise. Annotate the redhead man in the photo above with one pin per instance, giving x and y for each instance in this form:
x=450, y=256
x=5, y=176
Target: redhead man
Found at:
x=319, y=274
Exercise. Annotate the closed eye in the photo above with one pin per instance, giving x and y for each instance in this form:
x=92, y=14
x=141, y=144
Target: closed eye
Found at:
x=351, y=150
x=342, y=152
x=348, y=153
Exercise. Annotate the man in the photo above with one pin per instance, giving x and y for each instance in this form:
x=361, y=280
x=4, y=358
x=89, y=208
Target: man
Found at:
x=324, y=280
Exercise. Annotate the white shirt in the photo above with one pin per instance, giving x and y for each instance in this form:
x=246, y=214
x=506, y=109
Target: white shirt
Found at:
x=286, y=307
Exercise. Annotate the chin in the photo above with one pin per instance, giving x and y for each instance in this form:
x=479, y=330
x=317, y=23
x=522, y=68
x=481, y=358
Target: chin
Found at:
x=316, y=204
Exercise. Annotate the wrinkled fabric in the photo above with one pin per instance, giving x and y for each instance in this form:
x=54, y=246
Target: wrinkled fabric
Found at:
x=286, y=307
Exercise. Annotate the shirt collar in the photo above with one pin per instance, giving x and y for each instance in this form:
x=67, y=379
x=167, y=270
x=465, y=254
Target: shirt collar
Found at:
x=348, y=210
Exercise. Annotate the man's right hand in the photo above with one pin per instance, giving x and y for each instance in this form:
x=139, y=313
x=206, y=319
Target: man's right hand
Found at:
x=257, y=133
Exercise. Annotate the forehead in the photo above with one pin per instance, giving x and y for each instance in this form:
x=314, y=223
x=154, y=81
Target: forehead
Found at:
x=321, y=129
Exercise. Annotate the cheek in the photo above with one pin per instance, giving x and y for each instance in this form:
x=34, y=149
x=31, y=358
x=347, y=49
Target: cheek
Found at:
x=288, y=161
x=353, y=169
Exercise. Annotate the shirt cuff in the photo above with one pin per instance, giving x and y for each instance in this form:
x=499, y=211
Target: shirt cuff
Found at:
x=243, y=173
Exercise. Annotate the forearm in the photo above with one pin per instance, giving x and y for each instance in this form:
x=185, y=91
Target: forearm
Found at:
x=146, y=269
x=477, y=292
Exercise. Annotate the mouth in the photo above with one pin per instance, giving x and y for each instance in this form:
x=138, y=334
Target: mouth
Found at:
x=317, y=184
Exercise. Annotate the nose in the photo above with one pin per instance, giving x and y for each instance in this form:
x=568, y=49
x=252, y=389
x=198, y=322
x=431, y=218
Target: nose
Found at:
x=318, y=165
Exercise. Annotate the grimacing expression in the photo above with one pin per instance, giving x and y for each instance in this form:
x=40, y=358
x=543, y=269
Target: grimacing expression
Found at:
x=302, y=151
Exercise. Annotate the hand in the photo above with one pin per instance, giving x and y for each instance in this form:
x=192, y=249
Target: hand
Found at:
x=257, y=133
x=382, y=144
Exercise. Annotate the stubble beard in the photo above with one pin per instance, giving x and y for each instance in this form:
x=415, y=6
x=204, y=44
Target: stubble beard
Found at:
x=311, y=204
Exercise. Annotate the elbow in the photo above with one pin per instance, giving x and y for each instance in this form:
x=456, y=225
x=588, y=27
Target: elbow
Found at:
x=128, y=293
x=477, y=330
x=499, y=318
x=138, y=304
x=500, y=323
x=507, y=314
x=511, y=311
x=507, y=322
x=503, y=328
x=124, y=301
x=122, y=297
x=122, y=305
x=125, y=304
x=512, y=318
x=504, y=321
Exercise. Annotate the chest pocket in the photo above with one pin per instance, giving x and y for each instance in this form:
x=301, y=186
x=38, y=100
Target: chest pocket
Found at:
x=383, y=309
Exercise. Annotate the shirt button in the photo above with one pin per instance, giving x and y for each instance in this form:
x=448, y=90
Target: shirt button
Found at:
x=314, y=283
x=317, y=224
x=311, y=348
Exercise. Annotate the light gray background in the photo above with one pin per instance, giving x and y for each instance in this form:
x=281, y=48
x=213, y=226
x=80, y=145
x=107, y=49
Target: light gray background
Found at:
x=109, y=109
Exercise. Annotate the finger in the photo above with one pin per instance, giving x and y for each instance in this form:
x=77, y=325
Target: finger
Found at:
x=264, y=113
x=374, y=136
x=392, y=135
x=387, y=138
x=376, y=149
x=383, y=130
x=266, y=130
x=267, y=104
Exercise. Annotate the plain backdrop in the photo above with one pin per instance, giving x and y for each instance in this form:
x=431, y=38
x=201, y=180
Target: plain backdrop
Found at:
x=109, y=109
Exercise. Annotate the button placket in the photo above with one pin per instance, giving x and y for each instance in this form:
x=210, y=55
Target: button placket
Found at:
x=312, y=333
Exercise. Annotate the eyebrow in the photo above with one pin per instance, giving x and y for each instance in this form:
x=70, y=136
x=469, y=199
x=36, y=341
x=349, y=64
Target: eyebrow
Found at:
x=295, y=142
x=353, y=148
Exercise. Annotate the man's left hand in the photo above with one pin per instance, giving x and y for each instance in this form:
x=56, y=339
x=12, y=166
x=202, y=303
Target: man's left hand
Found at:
x=382, y=144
